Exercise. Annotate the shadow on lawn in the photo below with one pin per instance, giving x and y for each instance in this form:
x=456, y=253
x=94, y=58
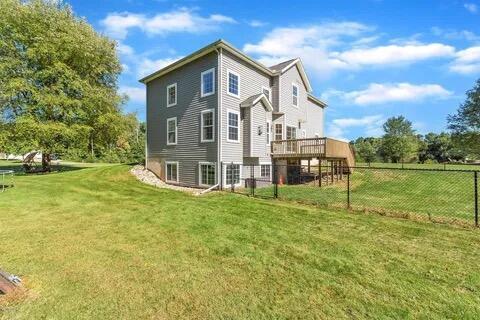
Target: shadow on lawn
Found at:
x=17, y=167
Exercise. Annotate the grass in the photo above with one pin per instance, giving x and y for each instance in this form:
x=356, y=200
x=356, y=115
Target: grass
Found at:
x=96, y=243
x=436, y=195
x=438, y=166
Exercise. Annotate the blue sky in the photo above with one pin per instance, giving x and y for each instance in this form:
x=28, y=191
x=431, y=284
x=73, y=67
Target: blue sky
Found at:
x=369, y=60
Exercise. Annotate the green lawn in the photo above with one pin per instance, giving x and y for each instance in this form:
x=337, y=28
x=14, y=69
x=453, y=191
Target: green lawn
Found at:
x=435, y=195
x=94, y=243
x=439, y=166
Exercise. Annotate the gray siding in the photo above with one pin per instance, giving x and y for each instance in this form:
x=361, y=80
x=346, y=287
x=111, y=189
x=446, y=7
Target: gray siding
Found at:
x=251, y=83
x=315, y=119
x=189, y=151
x=293, y=114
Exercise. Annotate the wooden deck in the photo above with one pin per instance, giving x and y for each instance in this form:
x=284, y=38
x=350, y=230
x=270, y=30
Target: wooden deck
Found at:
x=310, y=148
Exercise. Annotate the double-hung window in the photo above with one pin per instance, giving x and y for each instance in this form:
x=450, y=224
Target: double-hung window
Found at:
x=207, y=173
x=267, y=132
x=172, y=95
x=233, y=83
x=278, y=131
x=232, y=174
x=233, y=126
x=294, y=95
x=171, y=131
x=291, y=133
x=171, y=171
x=208, y=82
x=265, y=170
x=207, y=119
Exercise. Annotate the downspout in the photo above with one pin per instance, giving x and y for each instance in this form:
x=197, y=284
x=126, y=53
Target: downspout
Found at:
x=219, y=115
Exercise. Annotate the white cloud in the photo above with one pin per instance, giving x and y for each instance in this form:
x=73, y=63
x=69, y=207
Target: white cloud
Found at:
x=117, y=25
x=312, y=44
x=467, y=61
x=257, y=23
x=378, y=93
x=394, y=54
x=147, y=66
x=372, y=126
x=135, y=94
x=471, y=7
x=316, y=46
x=456, y=34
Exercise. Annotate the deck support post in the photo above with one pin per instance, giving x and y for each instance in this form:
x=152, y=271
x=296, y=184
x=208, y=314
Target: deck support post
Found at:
x=331, y=169
x=341, y=170
x=308, y=165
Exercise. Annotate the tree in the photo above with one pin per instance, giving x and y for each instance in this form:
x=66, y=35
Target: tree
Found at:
x=367, y=149
x=58, y=80
x=399, y=140
x=465, y=124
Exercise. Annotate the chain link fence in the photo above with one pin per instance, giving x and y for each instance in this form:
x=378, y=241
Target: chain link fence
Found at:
x=449, y=196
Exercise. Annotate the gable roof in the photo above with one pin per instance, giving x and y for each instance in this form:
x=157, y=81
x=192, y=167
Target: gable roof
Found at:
x=204, y=51
x=253, y=100
x=272, y=71
x=317, y=101
x=280, y=66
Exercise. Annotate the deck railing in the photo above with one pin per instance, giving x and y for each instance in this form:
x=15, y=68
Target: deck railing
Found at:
x=326, y=148
x=299, y=147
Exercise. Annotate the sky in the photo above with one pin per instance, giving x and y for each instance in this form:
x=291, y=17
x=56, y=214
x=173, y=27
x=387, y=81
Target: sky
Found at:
x=369, y=60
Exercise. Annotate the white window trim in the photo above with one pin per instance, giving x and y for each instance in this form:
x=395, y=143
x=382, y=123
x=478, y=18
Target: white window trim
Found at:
x=166, y=170
x=298, y=94
x=225, y=175
x=176, y=95
x=275, y=132
x=296, y=129
x=200, y=173
x=176, y=131
x=212, y=70
x=269, y=133
x=269, y=93
x=202, y=139
x=304, y=134
x=228, y=126
x=266, y=163
x=228, y=83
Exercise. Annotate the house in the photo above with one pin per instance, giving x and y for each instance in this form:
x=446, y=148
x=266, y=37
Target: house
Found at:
x=218, y=106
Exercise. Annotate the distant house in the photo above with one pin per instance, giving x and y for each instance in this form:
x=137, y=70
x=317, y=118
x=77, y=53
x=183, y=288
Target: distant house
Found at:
x=218, y=105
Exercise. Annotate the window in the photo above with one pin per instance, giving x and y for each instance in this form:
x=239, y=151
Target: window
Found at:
x=171, y=131
x=172, y=95
x=233, y=123
x=266, y=92
x=291, y=133
x=317, y=135
x=304, y=134
x=267, y=132
x=207, y=173
x=294, y=95
x=278, y=131
x=208, y=82
x=233, y=84
x=265, y=170
x=207, y=126
x=232, y=174
x=171, y=171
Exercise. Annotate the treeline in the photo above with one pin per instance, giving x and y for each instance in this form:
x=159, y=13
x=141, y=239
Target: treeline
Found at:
x=400, y=142
x=59, y=88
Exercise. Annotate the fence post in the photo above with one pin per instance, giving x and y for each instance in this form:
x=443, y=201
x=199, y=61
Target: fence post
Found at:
x=348, y=190
x=252, y=176
x=320, y=172
x=476, y=197
x=275, y=181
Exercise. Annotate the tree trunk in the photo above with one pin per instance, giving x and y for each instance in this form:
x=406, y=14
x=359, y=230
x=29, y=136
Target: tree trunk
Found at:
x=46, y=161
